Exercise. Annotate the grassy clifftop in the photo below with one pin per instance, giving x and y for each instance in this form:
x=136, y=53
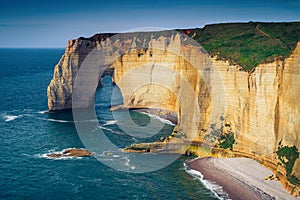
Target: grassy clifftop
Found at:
x=248, y=44
x=244, y=44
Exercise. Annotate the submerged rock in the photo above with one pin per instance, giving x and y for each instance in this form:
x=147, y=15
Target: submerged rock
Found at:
x=74, y=152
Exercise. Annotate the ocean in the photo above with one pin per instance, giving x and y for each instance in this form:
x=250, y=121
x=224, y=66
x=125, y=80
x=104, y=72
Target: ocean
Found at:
x=28, y=133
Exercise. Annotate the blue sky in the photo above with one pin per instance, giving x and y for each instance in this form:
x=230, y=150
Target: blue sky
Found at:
x=31, y=23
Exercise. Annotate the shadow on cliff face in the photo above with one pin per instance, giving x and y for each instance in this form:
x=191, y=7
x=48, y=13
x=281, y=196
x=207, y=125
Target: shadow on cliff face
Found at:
x=158, y=73
x=109, y=109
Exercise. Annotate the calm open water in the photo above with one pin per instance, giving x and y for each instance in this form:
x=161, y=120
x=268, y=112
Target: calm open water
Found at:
x=27, y=133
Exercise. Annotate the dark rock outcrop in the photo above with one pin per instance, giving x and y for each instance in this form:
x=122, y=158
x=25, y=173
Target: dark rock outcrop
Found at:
x=74, y=152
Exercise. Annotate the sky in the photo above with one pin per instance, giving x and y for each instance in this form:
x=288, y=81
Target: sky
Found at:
x=33, y=23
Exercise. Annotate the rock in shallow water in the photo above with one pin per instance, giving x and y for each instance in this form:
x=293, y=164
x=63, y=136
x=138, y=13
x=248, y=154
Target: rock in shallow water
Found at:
x=71, y=153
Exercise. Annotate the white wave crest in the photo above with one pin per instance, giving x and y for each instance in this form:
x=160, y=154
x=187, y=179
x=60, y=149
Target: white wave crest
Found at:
x=59, y=120
x=45, y=155
x=127, y=162
x=110, y=130
x=60, y=158
x=9, y=118
x=165, y=121
x=66, y=121
x=43, y=112
x=212, y=186
x=110, y=122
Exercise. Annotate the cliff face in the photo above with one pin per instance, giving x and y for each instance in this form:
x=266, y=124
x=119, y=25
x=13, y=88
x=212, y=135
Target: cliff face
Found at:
x=262, y=110
x=152, y=73
x=261, y=107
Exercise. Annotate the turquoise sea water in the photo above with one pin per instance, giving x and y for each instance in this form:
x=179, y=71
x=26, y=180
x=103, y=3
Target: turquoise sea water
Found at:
x=27, y=133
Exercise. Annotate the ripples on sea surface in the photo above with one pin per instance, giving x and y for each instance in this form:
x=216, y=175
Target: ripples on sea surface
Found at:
x=27, y=133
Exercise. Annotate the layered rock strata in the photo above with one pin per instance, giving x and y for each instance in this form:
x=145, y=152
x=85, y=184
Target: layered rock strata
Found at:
x=261, y=108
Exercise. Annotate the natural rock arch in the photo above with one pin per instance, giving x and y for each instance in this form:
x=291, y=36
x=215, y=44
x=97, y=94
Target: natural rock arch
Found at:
x=164, y=60
x=252, y=114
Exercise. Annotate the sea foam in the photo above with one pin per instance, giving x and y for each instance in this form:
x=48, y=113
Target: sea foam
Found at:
x=165, y=121
x=10, y=117
x=59, y=120
x=43, y=112
x=212, y=186
x=45, y=155
x=110, y=122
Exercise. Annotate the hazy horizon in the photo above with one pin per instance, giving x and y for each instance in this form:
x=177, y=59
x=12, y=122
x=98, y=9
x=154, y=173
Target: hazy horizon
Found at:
x=51, y=24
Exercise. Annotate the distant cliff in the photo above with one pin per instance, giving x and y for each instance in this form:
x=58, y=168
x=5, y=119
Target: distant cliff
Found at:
x=261, y=116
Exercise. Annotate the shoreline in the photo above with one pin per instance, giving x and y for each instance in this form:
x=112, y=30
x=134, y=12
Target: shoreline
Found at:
x=162, y=113
x=240, y=178
x=171, y=117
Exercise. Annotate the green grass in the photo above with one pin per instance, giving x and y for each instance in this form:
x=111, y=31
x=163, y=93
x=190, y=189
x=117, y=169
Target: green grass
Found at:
x=244, y=44
x=248, y=44
x=288, y=156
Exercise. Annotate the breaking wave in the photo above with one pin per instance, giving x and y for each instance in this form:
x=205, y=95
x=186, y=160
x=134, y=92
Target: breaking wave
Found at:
x=110, y=122
x=165, y=121
x=212, y=186
x=9, y=118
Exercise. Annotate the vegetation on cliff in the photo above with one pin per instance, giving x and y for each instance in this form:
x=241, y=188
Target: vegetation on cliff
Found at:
x=244, y=44
x=248, y=44
x=227, y=141
x=287, y=156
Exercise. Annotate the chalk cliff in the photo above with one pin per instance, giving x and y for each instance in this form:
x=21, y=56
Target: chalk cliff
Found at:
x=260, y=107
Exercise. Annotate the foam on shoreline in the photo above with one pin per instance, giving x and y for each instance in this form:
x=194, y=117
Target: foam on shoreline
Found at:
x=164, y=118
x=241, y=178
x=216, y=189
x=165, y=121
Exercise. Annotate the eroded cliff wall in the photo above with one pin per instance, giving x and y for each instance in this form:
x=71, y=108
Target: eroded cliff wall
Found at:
x=155, y=73
x=261, y=107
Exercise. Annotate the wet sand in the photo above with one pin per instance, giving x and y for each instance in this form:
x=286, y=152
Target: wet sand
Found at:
x=241, y=178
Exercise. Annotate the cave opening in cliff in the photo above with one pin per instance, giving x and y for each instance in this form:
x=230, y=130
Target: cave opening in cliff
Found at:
x=125, y=127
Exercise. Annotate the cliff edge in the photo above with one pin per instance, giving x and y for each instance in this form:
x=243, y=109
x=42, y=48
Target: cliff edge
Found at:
x=261, y=114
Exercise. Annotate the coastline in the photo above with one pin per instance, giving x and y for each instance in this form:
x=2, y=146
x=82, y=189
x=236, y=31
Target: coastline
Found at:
x=163, y=114
x=168, y=115
x=240, y=178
